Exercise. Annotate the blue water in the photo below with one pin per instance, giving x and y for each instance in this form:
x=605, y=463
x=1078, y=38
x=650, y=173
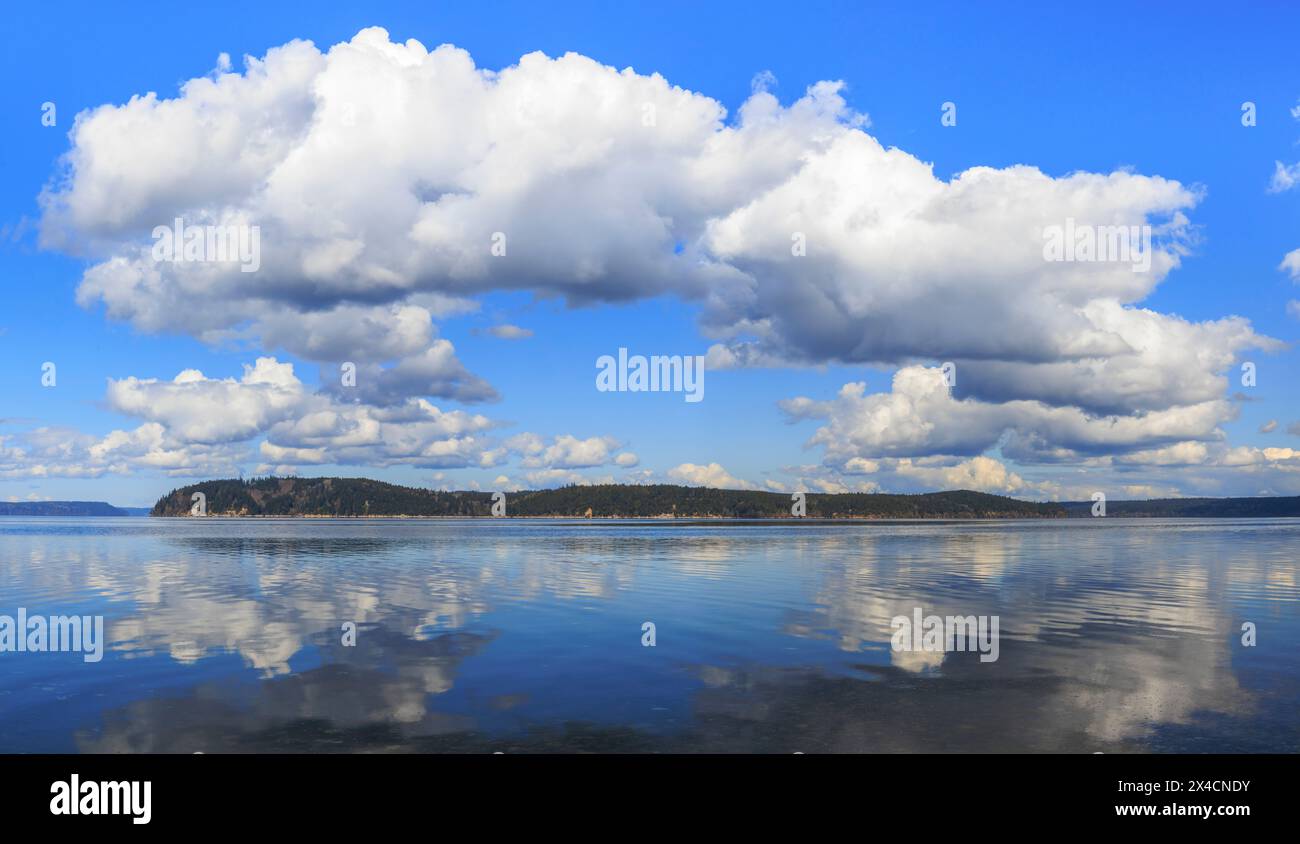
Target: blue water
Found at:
x=526, y=635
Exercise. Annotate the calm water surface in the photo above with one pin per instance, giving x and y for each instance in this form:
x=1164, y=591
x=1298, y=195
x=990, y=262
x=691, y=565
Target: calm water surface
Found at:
x=225, y=636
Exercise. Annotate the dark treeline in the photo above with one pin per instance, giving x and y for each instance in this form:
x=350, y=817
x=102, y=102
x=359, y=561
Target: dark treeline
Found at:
x=363, y=497
x=321, y=497
x=1188, y=508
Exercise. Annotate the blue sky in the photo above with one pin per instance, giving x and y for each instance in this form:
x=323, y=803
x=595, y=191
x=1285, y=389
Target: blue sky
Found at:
x=1146, y=92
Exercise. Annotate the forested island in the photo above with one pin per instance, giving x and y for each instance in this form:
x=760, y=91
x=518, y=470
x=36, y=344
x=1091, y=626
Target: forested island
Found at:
x=362, y=497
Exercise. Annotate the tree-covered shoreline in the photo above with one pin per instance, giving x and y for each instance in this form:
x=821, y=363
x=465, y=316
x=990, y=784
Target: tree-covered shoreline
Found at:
x=362, y=497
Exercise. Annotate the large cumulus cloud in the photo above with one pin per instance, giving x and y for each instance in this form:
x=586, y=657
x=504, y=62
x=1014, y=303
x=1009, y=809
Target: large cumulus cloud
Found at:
x=388, y=180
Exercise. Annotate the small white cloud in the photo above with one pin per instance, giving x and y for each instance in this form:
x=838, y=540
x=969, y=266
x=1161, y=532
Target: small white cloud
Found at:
x=510, y=332
x=1285, y=177
x=711, y=475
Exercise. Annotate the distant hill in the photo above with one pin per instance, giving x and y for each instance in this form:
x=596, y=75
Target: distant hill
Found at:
x=1201, y=508
x=61, y=508
x=350, y=497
